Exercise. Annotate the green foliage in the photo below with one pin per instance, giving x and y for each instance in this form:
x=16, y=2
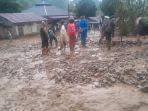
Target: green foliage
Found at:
x=144, y=22
x=146, y=8
x=72, y=6
x=86, y=7
x=99, y=8
x=109, y=7
x=9, y=6
x=127, y=12
x=26, y=3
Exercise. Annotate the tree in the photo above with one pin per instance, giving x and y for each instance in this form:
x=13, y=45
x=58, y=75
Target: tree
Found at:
x=86, y=7
x=109, y=7
x=146, y=8
x=27, y=3
x=127, y=12
x=9, y=6
x=72, y=7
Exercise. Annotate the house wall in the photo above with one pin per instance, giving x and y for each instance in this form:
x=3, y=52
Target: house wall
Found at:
x=19, y=30
x=32, y=28
x=4, y=34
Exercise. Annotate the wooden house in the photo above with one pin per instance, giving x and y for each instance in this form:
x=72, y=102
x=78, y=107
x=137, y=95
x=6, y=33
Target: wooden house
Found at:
x=13, y=25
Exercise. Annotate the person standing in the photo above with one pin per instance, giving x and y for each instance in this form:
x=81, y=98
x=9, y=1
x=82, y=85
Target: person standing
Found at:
x=44, y=38
x=63, y=37
x=71, y=31
x=108, y=34
x=83, y=25
x=52, y=37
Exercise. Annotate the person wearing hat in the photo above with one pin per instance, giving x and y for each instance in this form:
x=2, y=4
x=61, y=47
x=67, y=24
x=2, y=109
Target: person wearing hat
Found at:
x=44, y=38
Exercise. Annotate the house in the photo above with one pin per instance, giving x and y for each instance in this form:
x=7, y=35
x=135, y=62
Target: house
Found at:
x=93, y=22
x=19, y=24
x=52, y=13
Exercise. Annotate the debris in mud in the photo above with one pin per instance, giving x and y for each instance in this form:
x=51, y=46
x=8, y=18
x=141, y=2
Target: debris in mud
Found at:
x=126, y=63
x=120, y=66
x=27, y=79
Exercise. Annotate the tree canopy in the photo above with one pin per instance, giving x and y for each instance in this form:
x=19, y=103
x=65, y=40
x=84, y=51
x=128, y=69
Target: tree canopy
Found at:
x=127, y=11
x=9, y=6
x=109, y=7
x=86, y=7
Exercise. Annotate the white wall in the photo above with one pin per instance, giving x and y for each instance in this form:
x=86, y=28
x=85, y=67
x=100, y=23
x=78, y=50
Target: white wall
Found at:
x=17, y=32
x=27, y=29
x=30, y=29
x=34, y=28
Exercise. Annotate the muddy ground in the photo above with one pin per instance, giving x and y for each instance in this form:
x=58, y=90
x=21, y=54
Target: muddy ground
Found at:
x=95, y=80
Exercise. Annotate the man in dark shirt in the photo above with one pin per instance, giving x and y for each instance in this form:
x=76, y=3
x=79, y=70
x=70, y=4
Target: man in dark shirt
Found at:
x=44, y=39
x=52, y=37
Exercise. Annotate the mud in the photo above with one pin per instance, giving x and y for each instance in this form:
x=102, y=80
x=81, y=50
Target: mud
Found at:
x=95, y=80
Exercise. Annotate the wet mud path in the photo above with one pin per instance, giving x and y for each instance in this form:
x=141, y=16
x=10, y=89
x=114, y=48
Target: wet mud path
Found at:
x=96, y=80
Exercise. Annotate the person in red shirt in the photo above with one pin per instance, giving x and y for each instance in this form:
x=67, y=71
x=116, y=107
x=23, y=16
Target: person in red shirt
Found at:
x=71, y=31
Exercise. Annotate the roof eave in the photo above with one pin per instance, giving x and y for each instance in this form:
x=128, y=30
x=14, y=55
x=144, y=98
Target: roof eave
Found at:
x=28, y=22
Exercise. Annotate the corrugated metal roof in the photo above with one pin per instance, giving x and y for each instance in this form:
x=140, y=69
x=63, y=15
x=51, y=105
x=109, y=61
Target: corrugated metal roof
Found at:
x=58, y=17
x=47, y=10
x=21, y=17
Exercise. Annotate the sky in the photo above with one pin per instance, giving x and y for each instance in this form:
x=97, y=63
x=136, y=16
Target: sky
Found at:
x=73, y=0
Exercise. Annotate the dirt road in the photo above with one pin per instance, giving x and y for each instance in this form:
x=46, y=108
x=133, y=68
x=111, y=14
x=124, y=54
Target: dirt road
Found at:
x=96, y=80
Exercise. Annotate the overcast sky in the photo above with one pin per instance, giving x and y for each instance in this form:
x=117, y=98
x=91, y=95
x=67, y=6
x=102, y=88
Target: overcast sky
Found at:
x=73, y=0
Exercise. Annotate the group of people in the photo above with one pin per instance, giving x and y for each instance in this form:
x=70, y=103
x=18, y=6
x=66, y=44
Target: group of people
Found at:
x=70, y=33
x=67, y=35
